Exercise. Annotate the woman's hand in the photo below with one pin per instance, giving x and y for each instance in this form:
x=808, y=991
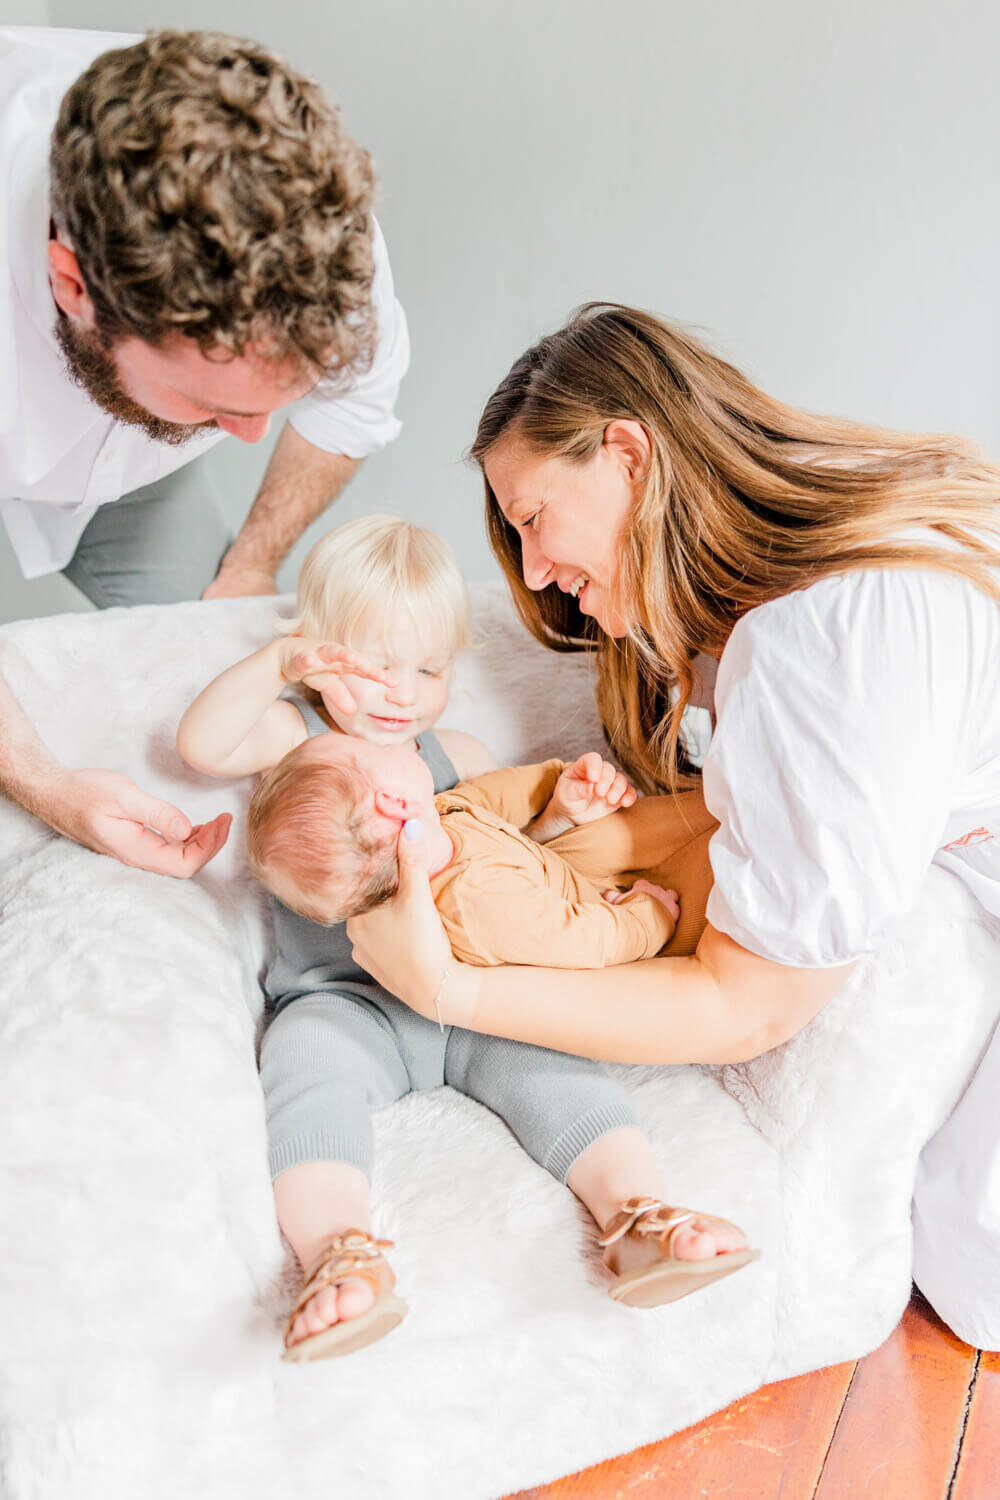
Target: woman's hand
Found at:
x=403, y=945
x=323, y=665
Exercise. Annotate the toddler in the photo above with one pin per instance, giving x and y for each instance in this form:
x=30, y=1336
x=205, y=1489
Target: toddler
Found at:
x=382, y=613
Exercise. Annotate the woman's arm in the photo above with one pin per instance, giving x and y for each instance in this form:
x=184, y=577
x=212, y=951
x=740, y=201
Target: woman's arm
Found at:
x=723, y=1004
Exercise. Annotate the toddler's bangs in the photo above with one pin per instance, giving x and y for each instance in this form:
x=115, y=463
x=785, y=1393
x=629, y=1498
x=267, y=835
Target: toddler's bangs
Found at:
x=381, y=577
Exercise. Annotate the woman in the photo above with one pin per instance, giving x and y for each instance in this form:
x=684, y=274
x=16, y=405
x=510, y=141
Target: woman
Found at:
x=645, y=500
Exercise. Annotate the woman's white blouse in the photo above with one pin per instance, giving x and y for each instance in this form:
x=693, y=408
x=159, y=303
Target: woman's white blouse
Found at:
x=857, y=742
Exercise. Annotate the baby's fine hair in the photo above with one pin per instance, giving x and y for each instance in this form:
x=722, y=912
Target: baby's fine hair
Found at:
x=306, y=841
x=382, y=575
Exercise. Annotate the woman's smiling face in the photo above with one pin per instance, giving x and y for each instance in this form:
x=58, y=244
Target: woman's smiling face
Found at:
x=571, y=516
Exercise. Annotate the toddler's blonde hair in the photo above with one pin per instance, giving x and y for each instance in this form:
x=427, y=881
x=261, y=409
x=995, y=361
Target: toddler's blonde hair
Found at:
x=380, y=574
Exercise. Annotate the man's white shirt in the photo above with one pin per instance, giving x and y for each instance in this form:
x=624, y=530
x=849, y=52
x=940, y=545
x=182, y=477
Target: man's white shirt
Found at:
x=61, y=456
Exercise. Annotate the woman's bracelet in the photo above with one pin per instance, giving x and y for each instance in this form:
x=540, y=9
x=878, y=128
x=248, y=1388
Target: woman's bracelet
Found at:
x=437, y=998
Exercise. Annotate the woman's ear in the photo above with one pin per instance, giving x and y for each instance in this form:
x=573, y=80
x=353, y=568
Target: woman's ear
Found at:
x=628, y=442
x=68, y=286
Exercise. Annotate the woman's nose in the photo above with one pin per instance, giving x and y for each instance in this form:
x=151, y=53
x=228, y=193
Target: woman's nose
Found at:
x=535, y=565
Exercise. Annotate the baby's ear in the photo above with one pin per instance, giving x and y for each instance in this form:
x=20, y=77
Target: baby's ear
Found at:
x=394, y=805
x=390, y=804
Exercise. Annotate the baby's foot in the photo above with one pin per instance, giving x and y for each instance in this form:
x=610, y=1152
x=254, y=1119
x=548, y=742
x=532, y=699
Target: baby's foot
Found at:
x=349, y=1278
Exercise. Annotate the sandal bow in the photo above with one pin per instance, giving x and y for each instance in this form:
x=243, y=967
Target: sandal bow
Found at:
x=646, y=1216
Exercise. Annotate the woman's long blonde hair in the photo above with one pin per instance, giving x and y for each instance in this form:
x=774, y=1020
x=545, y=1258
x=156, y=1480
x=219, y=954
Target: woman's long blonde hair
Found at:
x=745, y=500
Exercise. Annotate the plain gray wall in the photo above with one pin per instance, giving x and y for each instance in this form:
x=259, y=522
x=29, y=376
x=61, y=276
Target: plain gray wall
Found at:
x=813, y=186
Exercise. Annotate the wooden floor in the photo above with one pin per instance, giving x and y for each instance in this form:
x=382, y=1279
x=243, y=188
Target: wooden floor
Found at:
x=917, y=1420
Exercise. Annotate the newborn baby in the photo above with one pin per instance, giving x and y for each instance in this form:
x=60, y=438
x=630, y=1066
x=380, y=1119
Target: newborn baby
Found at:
x=547, y=864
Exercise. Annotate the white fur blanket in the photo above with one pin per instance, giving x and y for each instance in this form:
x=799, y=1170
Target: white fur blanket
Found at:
x=144, y=1282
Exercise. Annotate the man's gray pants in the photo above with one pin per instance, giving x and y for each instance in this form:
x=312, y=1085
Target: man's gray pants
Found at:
x=329, y=1059
x=157, y=545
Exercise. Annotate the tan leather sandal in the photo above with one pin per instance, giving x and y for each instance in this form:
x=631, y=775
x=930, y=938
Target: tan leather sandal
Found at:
x=638, y=1245
x=353, y=1254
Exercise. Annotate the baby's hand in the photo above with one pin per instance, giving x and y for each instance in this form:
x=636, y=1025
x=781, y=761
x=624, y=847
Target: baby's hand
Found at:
x=323, y=664
x=669, y=899
x=589, y=789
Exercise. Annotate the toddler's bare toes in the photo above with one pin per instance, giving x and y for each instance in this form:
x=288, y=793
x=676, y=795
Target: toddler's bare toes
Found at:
x=703, y=1238
x=297, y=1331
x=692, y=1243
x=355, y=1297
x=320, y=1311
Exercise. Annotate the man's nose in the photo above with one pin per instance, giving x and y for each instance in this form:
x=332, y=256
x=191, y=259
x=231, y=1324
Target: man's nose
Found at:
x=247, y=429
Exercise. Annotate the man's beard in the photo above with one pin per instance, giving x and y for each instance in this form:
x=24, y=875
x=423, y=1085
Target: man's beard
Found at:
x=90, y=366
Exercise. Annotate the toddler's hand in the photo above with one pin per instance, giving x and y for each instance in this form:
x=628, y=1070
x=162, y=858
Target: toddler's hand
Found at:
x=589, y=789
x=323, y=665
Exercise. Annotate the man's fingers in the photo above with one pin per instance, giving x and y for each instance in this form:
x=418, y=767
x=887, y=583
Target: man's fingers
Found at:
x=136, y=806
x=205, y=842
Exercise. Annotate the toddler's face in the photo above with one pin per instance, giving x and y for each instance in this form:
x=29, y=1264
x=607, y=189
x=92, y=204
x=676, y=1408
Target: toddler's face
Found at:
x=400, y=714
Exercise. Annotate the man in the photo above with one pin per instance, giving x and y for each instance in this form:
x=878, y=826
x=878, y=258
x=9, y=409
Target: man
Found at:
x=189, y=247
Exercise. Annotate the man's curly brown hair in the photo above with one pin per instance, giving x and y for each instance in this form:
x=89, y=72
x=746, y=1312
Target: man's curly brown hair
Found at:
x=209, y=190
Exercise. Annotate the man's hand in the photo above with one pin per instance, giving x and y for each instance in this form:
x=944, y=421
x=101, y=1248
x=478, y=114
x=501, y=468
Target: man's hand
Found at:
x=106, y=812
x=590, y=789
x=239, y=583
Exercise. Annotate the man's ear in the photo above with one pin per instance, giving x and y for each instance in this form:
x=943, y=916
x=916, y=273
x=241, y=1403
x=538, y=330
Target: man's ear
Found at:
x=68, y=287
x=629, y=442
x=392, y=805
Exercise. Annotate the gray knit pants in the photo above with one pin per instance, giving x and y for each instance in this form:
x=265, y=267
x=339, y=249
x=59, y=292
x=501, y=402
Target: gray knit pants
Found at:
x=329, y=1059
x=159, y=544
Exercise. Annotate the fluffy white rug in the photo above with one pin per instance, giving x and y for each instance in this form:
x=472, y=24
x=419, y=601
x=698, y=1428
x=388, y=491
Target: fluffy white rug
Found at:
x=144, y=1282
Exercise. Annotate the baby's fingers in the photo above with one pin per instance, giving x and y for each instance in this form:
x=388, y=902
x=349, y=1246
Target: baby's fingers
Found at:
x=621, y=792
x=589, y=767
x=669, y=899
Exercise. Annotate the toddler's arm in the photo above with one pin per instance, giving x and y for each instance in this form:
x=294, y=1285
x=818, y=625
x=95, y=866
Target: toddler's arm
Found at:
x=239, y=723
x=469, y=756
